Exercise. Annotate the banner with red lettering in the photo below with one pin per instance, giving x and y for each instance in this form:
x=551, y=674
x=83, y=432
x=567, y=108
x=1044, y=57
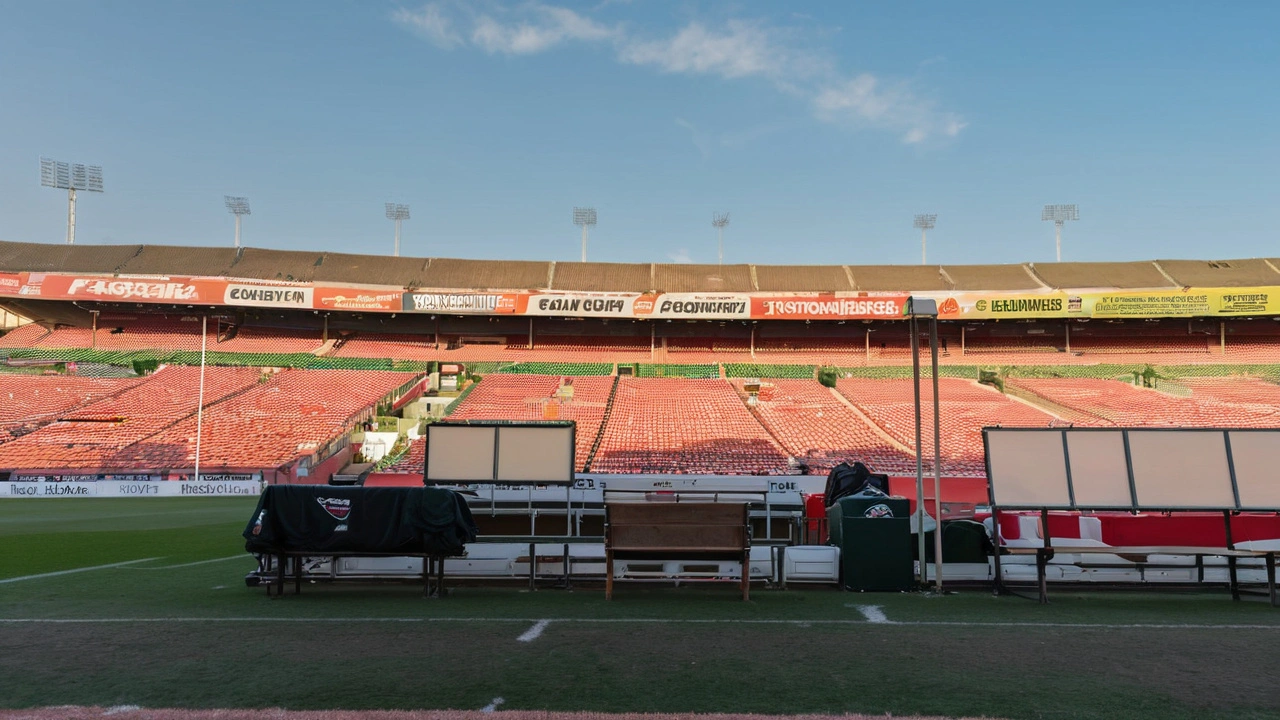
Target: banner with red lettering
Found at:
x=370, y=299
x=829, y=306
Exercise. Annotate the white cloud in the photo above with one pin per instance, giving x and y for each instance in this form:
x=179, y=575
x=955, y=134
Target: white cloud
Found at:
x=431, y=23
x=547, y=27
x=736, y=50
x=680, y=256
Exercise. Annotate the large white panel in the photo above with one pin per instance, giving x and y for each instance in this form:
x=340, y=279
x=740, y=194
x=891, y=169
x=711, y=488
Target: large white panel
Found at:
x=535, y=453
x=1028, y=468
x=459, y=452
x=1256, y=455
x=1099, y=475
x=1180, y=469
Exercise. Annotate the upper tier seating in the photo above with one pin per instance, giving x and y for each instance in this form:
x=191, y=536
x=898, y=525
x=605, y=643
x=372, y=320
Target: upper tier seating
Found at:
x=1117, y=403
x=663, y=425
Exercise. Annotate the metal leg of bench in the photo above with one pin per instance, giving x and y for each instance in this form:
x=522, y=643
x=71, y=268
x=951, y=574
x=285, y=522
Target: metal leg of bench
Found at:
x=568, y=584
x=1271, y=578
x=746, y=575
x=782, y=566
x=297, y=575
x=440, y=588
x=1042, y=562
x=533, y=565
x=608, y=574
x=1235, y=584
x=426, y=576
x=280, y=574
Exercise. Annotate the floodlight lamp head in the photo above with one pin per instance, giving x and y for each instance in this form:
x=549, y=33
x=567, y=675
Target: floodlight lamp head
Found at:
x=925, y=222
x=70, y=176
x=1060, y=213
x=236, y=205
x=720, y=220
x=396, y=211
x=584, y=216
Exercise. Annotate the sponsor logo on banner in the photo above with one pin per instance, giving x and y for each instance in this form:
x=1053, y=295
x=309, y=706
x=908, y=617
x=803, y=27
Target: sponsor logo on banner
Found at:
x=1150, y=305
x=26, y=488
x=266, y=296
x=338, y=508
x=33, y=284
x=353, y=299
x=466, y=303
x=1244, y=303
x=693, y=306
x=828, y=307
x=133, y=289
x=10, y=284
x=581, y=305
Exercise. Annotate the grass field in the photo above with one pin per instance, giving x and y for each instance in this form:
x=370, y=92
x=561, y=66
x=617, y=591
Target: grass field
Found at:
x=180, y=629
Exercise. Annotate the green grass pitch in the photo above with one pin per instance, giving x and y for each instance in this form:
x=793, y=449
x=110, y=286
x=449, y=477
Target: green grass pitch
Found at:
x=182, y=630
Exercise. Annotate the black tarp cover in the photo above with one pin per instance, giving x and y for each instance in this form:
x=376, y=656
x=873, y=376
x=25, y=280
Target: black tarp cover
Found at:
x=329, y=520
x=845, y=479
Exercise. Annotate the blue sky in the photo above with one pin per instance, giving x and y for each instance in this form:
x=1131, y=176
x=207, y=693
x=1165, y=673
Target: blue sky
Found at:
x=821, y=127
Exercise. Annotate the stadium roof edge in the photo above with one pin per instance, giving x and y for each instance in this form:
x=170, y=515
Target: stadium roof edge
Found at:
x=460, y=273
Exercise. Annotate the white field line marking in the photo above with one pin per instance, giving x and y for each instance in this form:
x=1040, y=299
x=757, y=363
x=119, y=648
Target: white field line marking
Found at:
x=491, y=707
x=75, y=570
x=117, y=709
x=873, y=614
x=534, y=632
x=639, y=621
x=192, y=564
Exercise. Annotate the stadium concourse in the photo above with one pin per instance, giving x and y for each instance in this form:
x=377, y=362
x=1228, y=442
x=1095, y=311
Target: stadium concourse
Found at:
x=323, y=364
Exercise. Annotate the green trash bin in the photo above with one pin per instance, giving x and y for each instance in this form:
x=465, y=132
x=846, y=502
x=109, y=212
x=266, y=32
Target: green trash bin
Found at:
x=874, y=537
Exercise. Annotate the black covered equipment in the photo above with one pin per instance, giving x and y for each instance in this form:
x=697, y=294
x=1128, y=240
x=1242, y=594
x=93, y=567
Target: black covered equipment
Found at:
x=845, y=479
x=330, y=520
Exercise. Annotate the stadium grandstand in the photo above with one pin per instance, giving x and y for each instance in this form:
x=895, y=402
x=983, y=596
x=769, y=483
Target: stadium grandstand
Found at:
x=327, y=365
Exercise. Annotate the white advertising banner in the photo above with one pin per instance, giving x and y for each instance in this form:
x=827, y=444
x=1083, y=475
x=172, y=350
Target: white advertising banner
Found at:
x=268, y=296
x=140, y=488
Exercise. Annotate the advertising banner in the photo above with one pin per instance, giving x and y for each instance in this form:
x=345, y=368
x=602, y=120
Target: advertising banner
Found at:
x=117, y=488
x=267, y=296
x=828, y=307
x=1113, y=304
x=582, y=304
x=374, y=300
x=461, y=303
x=10, y=284
x=693, y=306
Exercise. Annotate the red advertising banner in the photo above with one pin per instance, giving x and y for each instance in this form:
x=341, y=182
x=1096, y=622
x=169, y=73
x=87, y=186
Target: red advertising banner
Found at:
x=196, y=291
x=10, y=284
x=828, y=307
x=464, y=303
x=374, y=300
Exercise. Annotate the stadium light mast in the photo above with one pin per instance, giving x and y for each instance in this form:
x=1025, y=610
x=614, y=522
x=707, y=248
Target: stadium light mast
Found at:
x=924, y=223
x=584, y=218
x=1059, y=214
x=70, y=177
x=398, y=213
x=238, y=206
x=719, y=221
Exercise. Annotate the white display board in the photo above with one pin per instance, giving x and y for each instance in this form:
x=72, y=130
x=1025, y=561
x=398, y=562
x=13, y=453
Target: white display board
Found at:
x=1134, y=468
x=515, y=453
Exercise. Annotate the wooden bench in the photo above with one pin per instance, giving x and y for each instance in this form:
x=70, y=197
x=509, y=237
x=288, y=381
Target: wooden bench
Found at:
x=677, y=531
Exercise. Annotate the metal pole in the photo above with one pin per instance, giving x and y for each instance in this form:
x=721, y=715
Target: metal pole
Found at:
x=923, y=254
x=204, y=341
x=937, y=459
x=915, y=377
x=397, y=237
x=720, y=244
x=584, y=242
x=1057, y=234
x=71, y=216
x=237, y=229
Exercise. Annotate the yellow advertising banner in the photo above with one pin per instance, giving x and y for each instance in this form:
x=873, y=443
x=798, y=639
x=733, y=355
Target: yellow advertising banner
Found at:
x=1114, y=304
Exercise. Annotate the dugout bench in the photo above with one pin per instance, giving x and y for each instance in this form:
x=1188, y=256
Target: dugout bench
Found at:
x=677, y=531
x=1164, y=470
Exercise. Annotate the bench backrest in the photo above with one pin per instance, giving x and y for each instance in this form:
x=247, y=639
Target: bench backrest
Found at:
x=676, y=526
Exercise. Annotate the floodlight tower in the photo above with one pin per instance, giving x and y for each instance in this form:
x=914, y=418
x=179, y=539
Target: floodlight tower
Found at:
x=1059, y=214
x=238, y=206
x=70, y=177
x=718, y=221
x=924, y=223
x=584, y=218
x=398, y=213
